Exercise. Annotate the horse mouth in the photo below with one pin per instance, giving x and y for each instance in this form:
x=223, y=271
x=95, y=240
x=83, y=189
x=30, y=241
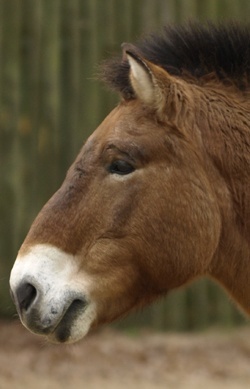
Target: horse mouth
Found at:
x=62, y=332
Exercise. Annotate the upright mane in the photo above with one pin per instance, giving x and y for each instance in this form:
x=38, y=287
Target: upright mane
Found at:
x=191, y=51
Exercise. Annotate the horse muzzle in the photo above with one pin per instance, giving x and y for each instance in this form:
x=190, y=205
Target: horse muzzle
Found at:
x=51, y=318
x=49, y=299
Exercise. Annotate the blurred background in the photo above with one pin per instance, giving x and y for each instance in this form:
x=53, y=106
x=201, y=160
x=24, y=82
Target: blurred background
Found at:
x=51, y=100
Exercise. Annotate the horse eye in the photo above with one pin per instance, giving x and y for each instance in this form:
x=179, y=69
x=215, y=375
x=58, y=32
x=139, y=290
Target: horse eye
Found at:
x=120, y=167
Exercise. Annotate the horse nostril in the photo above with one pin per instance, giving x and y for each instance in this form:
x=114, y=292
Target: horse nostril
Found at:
x=25, y=295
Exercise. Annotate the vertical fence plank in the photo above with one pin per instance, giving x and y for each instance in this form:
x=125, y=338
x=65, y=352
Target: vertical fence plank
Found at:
x=167, y=11
x=223, y=308
x=198, y=305
x=48, y=134
x=89, y=57
x=229, y=9
x=70, y=81
x=176, y=316
x=207, y=10
x=187, y=10
x=149, y=16
x=9, y=148
x=30, y=42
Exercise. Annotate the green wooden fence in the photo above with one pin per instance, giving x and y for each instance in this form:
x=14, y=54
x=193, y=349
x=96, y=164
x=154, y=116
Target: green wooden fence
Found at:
x=50, y=101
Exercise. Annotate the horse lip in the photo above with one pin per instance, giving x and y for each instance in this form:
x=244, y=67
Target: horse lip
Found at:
x=61, y=332
x=52, y=324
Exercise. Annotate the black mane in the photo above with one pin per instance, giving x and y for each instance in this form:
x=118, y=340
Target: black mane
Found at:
x=196, y=50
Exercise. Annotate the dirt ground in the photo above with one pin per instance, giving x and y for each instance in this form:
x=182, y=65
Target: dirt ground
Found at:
x=112, y=360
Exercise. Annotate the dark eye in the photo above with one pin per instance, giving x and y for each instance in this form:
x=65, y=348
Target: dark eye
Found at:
x=120, y=167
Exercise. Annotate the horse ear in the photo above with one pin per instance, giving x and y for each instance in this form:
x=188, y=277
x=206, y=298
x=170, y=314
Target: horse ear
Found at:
x=141, y=77
x=152, y=84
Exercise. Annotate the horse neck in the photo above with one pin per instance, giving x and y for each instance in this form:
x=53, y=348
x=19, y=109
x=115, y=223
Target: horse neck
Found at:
x=224, y=123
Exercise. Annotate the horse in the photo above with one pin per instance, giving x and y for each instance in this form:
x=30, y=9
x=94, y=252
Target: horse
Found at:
x=159, y=194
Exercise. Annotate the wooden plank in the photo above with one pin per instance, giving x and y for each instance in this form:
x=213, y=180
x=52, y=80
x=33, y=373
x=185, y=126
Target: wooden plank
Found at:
x=9, y=148
x=49, y=91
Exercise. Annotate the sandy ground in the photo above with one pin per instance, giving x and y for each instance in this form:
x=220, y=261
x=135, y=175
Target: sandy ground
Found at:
x=112, y=360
